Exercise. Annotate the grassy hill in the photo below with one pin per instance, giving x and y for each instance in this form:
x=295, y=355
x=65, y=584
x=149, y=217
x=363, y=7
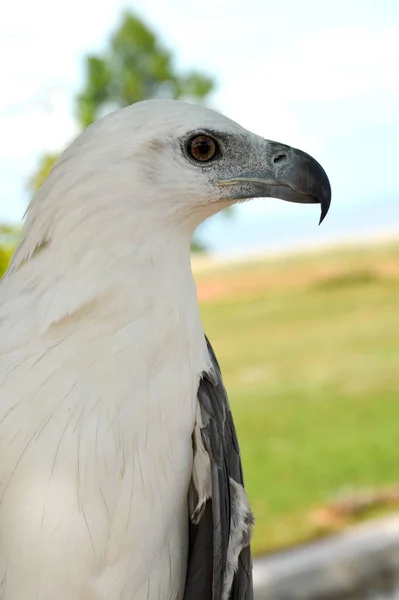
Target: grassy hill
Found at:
x=309, y=348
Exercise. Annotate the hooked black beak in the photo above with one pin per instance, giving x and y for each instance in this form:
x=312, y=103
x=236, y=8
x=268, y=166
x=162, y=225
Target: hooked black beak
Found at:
x=289, y=174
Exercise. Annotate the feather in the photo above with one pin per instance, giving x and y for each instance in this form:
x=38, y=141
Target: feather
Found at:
x=221, y=520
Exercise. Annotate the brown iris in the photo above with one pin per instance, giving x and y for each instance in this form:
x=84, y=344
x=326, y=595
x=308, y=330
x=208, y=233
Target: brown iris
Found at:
x=202, y=148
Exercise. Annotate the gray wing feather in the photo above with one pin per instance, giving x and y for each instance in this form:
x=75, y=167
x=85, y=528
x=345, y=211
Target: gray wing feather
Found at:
x=225, y=525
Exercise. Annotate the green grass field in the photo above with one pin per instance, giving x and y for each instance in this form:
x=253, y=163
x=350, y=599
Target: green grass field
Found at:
x=309, y=349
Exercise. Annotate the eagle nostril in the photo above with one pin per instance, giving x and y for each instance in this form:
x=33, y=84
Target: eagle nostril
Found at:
x=279, y=158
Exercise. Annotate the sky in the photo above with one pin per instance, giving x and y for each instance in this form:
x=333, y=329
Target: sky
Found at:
x=321, y=76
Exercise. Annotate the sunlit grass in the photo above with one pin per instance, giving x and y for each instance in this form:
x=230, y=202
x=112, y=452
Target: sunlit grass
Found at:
x=309, y=349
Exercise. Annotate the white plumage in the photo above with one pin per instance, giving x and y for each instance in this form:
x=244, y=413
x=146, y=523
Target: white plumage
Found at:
x=101, y=354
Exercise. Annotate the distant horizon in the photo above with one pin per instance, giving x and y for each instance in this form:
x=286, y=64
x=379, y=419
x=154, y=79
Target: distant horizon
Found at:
x=280, y=226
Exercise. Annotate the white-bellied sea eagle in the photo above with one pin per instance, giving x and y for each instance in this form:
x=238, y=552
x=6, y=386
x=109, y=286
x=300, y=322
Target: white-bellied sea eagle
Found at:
x=120, y=470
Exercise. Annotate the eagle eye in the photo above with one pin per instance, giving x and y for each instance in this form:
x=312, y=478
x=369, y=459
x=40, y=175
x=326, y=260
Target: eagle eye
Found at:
x=203, y=148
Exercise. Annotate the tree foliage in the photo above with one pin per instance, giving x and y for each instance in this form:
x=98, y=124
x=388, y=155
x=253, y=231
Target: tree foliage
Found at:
x=134, y=66
x=9, y=237
x=44, y=168
x=4, y=260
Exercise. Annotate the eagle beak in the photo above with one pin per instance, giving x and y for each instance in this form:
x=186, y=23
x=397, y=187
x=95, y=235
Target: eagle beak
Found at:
x=289, y=174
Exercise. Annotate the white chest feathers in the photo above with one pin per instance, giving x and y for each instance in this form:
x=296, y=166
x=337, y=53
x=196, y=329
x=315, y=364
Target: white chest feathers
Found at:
x=95, y=440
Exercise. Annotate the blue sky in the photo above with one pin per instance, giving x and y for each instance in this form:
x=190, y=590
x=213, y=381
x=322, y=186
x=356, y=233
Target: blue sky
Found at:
x=322, y=76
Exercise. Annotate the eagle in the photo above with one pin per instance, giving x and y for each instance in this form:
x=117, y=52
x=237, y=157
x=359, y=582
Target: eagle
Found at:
x=120, y=471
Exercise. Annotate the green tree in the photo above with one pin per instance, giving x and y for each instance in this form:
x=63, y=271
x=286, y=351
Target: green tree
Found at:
x=135, y=66
x=9, y=237
x=4, y=260
x=44, y=168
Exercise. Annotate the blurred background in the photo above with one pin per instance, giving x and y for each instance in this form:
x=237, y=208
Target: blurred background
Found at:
x=304, y=320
